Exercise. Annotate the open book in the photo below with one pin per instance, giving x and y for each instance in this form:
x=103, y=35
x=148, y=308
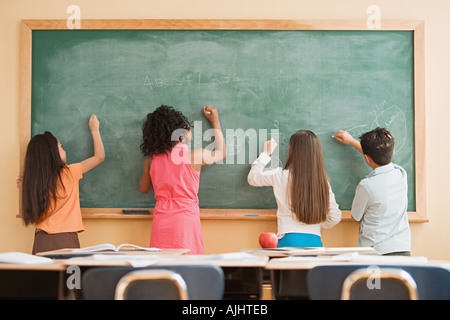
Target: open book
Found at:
x=111, y=247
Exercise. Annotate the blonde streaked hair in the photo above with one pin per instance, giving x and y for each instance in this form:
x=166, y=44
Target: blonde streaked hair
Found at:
x=308, y=189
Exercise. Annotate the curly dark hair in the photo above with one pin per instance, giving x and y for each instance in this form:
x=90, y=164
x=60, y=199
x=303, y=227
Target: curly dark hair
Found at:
x=159, y=128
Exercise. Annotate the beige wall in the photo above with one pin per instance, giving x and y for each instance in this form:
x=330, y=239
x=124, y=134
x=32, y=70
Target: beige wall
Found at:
x=429, y=239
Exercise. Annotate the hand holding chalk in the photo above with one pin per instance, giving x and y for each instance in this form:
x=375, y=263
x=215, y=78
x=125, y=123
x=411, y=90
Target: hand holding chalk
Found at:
x=269, y=146
x=211, y=114
x=346, y=138
x=343, y=136
x=94, y=124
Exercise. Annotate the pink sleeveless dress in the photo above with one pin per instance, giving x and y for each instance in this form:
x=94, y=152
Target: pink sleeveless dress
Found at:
x=176, y=217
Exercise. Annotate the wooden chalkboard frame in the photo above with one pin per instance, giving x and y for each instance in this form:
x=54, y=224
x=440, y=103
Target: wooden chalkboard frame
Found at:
x=416, y=26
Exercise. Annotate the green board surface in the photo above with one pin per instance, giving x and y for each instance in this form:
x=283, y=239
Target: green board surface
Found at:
x=264, y=83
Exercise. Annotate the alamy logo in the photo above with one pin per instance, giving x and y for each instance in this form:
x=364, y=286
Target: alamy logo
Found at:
x=374, y=20
x=74, y=280
x=374, y=280
x=235, y=140
x=74, y=20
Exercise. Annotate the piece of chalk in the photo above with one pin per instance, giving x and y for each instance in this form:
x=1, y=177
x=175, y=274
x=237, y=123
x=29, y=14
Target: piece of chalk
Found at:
x=252, y=215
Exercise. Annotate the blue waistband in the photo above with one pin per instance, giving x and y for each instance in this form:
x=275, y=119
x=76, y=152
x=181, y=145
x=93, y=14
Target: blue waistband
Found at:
x=300, y=240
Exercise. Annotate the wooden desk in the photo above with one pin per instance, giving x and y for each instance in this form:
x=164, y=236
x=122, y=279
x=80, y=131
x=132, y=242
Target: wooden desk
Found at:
x=306, y=263
x=55, y=266
x=48, y=281
x=243, y=277
x=126, y=260
x=68, y=253
x=300, y=252
x=35, y=281
x=288, y=275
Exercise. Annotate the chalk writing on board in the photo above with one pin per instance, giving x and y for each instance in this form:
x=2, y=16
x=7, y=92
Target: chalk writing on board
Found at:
x=391, y=118
x=192, y=79
x=394, y=120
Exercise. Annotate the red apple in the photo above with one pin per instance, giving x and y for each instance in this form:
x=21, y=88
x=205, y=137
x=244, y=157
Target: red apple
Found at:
x=268, y=240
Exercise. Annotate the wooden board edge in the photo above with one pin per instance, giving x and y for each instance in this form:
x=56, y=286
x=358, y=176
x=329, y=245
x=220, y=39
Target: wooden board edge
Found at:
x=219, y=24
x=217, y=214
x=420, y=122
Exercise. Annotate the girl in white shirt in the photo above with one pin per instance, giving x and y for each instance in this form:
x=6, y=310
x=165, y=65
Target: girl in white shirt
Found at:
x=304, y=197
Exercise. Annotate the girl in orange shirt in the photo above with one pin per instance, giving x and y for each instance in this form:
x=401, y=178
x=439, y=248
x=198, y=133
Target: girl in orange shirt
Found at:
x=50, y=194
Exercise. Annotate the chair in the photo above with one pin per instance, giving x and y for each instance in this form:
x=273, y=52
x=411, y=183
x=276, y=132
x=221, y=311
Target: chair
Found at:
x=126, y=283
x=289, y=284
x=365, y=284
x=195, y=282
x=330, y=282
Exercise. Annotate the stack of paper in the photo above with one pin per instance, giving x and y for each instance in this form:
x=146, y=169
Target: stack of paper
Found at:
x=23, y=258
x=133, y=260
x=362, y=259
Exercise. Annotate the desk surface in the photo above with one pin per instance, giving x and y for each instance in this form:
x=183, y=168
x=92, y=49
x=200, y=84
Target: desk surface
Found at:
x=54, y=266
x=65, y=252
x=245, y=258
x=321, y=251
x=222, y=260
x=306, y=263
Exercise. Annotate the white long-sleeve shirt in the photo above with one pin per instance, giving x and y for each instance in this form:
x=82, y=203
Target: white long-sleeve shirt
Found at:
x=278, y=179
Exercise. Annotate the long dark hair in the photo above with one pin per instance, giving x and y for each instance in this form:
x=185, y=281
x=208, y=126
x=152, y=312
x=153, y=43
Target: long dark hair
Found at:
x=160, y=128
x=308, y=188
x=42, y=171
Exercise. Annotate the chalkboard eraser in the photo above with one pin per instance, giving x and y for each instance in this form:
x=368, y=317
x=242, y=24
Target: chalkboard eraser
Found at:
x=136, y=212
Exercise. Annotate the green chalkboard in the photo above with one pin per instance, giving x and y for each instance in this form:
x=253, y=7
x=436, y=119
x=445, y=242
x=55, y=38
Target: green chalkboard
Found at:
x=264, y=84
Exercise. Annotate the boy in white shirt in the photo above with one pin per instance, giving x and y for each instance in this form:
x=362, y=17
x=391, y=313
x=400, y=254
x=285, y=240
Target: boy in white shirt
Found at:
x=381, y=199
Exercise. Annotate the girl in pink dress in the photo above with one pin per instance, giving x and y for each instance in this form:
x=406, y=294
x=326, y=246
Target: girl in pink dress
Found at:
x=173, y=171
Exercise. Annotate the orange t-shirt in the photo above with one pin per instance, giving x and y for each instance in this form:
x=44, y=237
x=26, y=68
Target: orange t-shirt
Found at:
x=65, y=214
